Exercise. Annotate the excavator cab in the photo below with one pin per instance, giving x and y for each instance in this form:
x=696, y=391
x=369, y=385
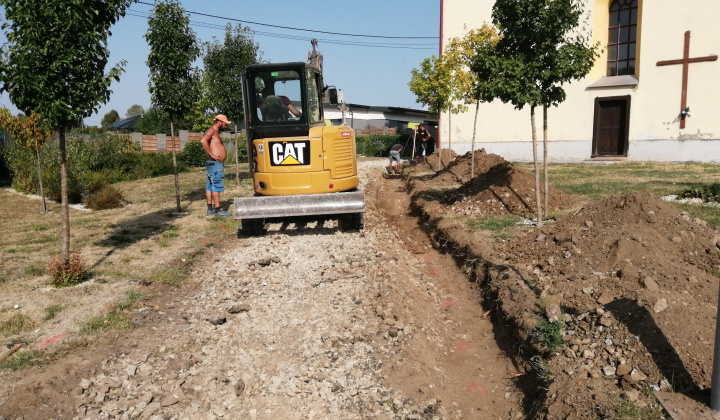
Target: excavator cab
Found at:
x=300, y=166
x=283, y=99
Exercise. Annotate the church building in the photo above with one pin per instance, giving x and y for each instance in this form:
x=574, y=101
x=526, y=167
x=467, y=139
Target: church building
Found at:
x=652, y=95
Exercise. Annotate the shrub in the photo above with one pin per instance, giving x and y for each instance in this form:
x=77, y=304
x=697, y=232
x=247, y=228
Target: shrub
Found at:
x=20, y=161
x=708, y=193
x=155, y=164
x=379, y=145
x=193, y=154
x=67, y=274
x=107, y=197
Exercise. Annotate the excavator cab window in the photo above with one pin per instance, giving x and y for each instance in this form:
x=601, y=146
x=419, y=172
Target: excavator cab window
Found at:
x=282, y=99
x=279, y=96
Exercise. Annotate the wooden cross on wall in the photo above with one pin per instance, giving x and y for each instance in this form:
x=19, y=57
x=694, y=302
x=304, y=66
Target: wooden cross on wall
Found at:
x=685, y=61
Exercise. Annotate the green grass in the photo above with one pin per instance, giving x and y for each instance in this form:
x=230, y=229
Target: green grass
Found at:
x=52, y=310
x=172, y=276
x=626, y=410
x=16, y=324
x=592, y=182
x=549, y=335
x=493, y=223
x=115, y=318
x=36, y=268
x=22, y=359
x=41, y=240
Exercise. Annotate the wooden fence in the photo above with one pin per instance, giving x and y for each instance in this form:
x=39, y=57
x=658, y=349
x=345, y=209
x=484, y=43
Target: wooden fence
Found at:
x=163, y=143
x=375, y=131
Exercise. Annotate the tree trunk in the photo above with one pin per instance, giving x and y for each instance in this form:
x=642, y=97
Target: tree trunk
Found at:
x=414, y=151
x=40, y=184
x=175, y=169
x=237, y=158
x=546, y=190
x=472, y=146
x=65, y=209
x=449, y=130
x=538, y=210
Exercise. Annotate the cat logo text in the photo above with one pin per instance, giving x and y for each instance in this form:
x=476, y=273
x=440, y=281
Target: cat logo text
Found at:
x=288, y=153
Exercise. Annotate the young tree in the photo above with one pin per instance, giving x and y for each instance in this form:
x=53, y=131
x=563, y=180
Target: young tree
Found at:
x=436, y=88
x=134, y=111
x=224, y=63
x=29, y=132
x=460, y=54
x=542, y=48
x=108, y=119
x=174, y=82
x=54, y=64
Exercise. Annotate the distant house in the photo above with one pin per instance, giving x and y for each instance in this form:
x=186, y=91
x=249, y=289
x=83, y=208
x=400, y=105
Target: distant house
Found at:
x=362, y=117
x=365, y=116
x=126, y=125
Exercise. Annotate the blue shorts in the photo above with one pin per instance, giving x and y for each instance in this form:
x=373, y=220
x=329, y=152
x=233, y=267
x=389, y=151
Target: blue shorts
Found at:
x=215, y=176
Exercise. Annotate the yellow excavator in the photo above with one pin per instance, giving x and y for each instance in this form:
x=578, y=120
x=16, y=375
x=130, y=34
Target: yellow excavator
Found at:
x=300, y=166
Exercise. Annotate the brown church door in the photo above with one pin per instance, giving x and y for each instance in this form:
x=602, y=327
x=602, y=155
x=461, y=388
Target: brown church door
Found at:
x=611, y=126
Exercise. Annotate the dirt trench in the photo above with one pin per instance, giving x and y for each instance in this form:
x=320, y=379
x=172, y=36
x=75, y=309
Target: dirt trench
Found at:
x=608, y=307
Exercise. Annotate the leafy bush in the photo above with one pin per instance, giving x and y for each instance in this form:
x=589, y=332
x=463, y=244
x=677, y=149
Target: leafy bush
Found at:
x=706, y=193
x=242, y=150
x=67, y=274
x=149, y=165
x=93, y=162
x=20, y=160
x=193, y=154
x=107, y=197
x=379, y=145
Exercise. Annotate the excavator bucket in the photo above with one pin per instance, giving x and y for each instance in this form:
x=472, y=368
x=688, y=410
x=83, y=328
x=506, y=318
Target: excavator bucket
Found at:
x=254, y=211
x=299, y=205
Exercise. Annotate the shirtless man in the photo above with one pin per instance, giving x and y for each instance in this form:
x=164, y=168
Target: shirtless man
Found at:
x=215, y=149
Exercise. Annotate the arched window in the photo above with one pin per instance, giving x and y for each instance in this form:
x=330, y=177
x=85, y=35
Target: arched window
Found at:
x=622, y=35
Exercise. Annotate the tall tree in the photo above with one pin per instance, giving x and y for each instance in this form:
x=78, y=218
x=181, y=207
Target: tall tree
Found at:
x=109, y=118
x=134, y=111
x=224, y=63
x=543, y=46
x=54, y=64
x=435, y=87
x=174, y=82
x=29, y=132
x=460, y=54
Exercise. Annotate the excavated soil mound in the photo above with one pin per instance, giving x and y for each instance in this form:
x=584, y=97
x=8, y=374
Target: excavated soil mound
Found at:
x=497, y=187
x=501, y=189
x=633, y=280
x=613, y=300
x=435, y=163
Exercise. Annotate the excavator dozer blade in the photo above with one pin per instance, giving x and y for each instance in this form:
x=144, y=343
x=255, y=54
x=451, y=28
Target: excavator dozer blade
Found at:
x=299, y=205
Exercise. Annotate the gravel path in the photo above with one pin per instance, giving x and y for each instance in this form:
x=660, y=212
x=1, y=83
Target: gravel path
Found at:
x=303, y=323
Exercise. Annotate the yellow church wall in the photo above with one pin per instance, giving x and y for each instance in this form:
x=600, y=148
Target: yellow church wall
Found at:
x=655, y=100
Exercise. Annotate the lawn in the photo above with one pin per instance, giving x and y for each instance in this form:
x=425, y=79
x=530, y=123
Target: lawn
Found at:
x=143, y=242
x=591, y=182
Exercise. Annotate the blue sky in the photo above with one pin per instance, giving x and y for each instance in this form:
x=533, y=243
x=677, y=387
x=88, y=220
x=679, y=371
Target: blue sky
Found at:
x=369, y=70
